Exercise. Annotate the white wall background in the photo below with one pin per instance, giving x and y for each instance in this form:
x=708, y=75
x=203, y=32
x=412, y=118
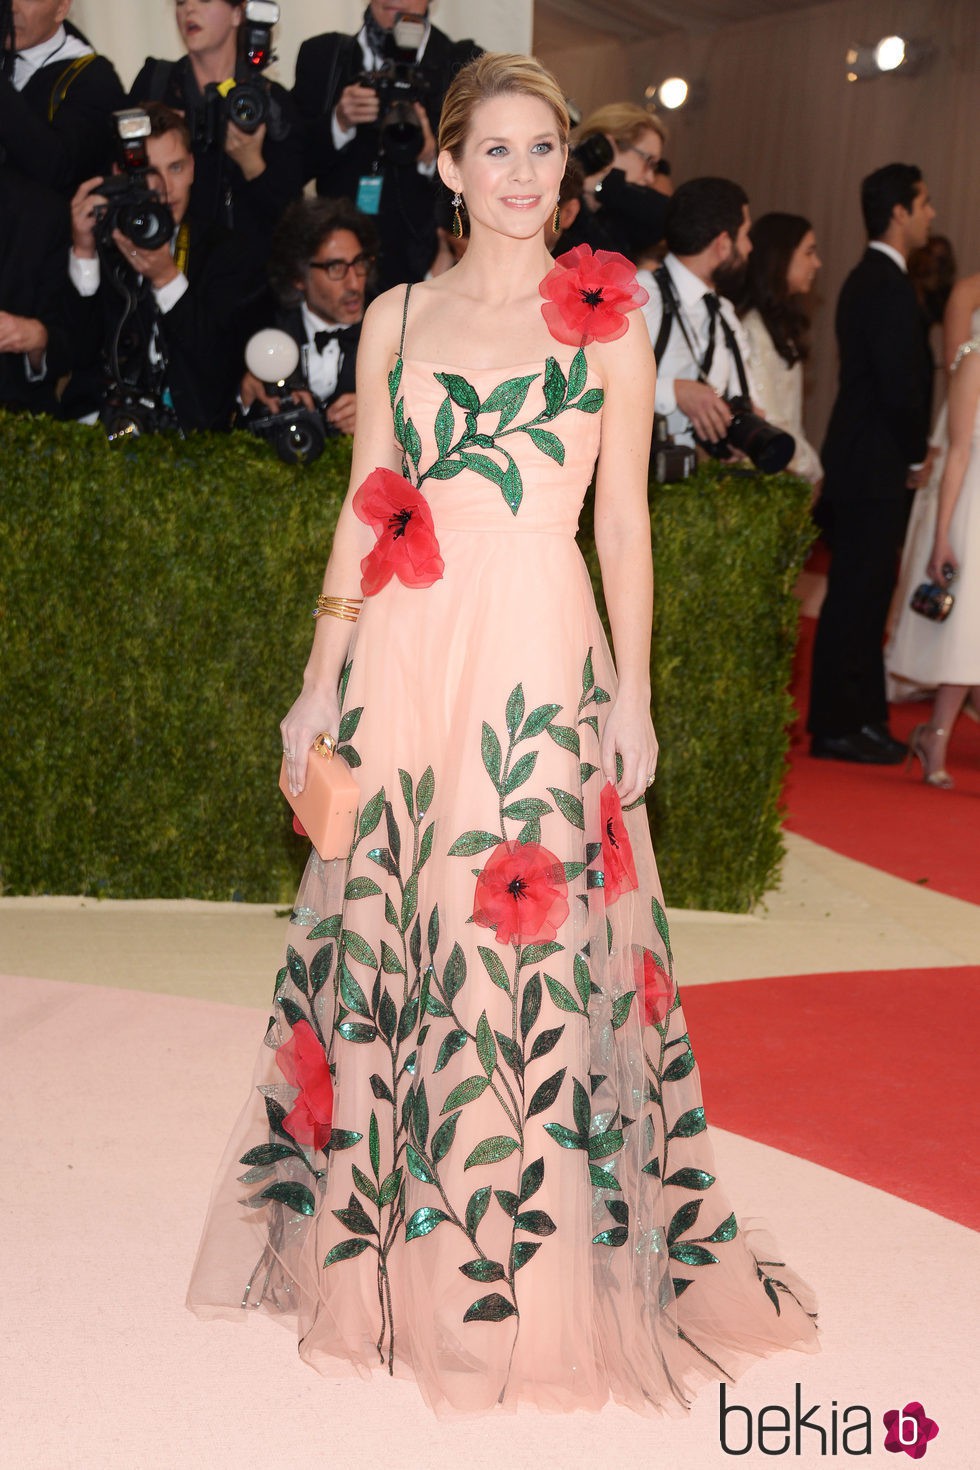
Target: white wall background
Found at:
x=127, y=31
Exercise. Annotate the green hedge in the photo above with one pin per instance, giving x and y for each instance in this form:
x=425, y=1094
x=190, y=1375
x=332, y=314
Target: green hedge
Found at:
x=155, y=621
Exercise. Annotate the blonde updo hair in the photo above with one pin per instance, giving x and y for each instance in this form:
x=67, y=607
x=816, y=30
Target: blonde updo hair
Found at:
x=626, y=122
x=496, y=74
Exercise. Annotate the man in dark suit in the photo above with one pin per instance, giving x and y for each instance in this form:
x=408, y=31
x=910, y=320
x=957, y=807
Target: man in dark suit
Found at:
x=323, y=254
x=351, y=153
x=169, y=325
x=57, y=98
x=34, y=238
x=874, y=454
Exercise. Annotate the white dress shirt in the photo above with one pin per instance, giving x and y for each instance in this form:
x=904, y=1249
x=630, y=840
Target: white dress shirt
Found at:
x=677, y=361
x=59, y=47
x=342, y=136
x=322, y=368
x=892, y=253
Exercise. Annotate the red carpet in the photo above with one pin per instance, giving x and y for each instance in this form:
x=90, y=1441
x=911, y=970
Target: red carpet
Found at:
x=885, y=815
x=870, y=1074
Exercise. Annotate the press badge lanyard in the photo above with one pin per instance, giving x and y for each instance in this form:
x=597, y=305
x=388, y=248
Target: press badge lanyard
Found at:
x=368, y=198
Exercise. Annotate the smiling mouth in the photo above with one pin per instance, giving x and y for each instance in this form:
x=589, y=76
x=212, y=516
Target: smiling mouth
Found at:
x=522, y=201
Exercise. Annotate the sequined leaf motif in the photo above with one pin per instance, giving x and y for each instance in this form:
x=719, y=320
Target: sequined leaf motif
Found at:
x=601, y=1178
x=476, y=1209
x=533, y=954
x=483, y=1271
x=394, y=380
x=267, y=1153
x=545, y=1042
x=601, y=1145
x=531, y=1180
x=491, y=1151
x=577, y=374
x=564, y=1137
x=492, y=754
x=471, y=843
x=512, y=486
x=445, y=423
x=482, y=464
x=346, y=1250
x=493, y=1308
x=684, y=1220
x=688, y=1124
x=727, y=1230
x=535, y=1222
x=545, y=1095
x=548, y=443
x=412, y=443
x=555, y=387
x=530, y=1004
x=515, y=708
x=590, y=402
x=621, y=1008
x=570, y=807
x=465, y=1092
x=295, y=1197
x=341, y=1138
x=691, y=1179
x=561, y=996
x=364, y=1184
x=450, y=1046
x=521, y=772
x=424, y=1221
x=297, y=970
x=566, y=737
x=680, y=1067
x=417, y=1166
x=361, y=888
x=663, y=929
x=692, y=1255
x=508, y=398
x=527, y=809
x=538, y=720
x=521, y=1252
x=460, y=391
x=349, y=722
x=446, y=469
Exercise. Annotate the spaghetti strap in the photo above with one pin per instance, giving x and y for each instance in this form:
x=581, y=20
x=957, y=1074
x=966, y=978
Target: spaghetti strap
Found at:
x=408, y=292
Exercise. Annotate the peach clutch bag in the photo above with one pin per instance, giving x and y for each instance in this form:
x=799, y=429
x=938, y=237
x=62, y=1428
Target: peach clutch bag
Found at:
x=326, y=808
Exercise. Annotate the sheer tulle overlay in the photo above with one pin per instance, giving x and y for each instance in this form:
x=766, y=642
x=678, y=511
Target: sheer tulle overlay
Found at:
x=517, y=1200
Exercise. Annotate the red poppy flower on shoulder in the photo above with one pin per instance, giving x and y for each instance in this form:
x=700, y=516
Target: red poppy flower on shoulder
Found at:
x=619, y=869
x=522, y=894
x=653, y=985
x=400, y=517
x=588, y=294
x=303, y=1063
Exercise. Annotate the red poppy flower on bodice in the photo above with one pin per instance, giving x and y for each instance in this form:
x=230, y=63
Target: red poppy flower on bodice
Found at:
x=619, y=869
x=303, y=1063
x=653, y=985
x=522, y=894
x=407, y=547
x=588, y=294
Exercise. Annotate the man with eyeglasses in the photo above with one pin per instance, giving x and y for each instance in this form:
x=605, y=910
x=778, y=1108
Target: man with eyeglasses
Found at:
x=320, y=268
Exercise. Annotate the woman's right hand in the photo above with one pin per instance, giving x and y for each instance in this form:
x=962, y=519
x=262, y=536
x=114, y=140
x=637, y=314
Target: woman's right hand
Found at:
x=942, y=556
x=314, y=713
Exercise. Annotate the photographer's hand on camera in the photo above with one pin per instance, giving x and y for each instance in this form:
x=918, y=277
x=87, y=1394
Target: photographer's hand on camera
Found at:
x=24, y=334
x=342, y=413
x=245, y=149
x=85, y=207
x=707, y=411
x=158, y=267
x=356, y=105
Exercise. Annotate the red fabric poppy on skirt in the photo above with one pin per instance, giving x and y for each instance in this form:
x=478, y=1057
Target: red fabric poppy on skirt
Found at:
x=654, y=985
x=619, y=869
x=303, y=1063
x=521, y=894
x=407, y=547
x=588, y=294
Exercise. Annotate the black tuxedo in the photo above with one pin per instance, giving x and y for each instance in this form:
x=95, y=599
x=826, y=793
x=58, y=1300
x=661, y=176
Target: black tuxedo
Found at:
x=879, y=426
x=202, y=336
x=77, y=142
x=34, y=239
x=291, y=321
x=406, y=218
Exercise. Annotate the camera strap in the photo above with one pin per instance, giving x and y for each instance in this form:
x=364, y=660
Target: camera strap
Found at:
x=59, y=91
x=672, y=310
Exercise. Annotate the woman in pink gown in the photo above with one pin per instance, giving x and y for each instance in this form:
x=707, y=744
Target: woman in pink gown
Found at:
x=475, y=1150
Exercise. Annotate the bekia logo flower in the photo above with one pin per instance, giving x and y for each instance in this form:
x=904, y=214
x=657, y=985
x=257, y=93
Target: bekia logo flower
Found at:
x=909, y=1429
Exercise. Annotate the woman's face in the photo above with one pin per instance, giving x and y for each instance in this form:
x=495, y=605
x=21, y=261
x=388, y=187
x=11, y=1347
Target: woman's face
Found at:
x=638, y=159
x=803, y=266
x=512, y=165
x=207, y=25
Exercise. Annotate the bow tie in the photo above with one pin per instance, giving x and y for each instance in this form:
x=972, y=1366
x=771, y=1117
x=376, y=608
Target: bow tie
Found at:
x=327, y=335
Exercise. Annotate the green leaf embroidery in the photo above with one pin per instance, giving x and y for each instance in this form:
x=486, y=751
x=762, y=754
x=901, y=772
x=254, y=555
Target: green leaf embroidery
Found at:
x=527, y=809
x=692, y=1255
x=538, y=720
x=515, y=708
x=424, y=1221
x=521, y=1252
x=445, y=422
x=445, y=469
x=481, y=464
x=688, y=1124
x=570, y=807
x=361, y=888
x=464, y=1092
x=359, y=950
x=531, y=1180
x=491, y=1151
x=417, y=1166
x=486, y=1048
x=563, y=1136
x=555, y=387
x=522, y=772
x=544, y=1096
x=684, y=1220
x=512, y=486
x=484, y=1271
x=590, y=402
x=535, y=953
x=577, y=374
x=450, y=1046
x=548, y=443
x=350, y=720
x=268, y=1153
x=394, y=380
x=346, y=1250
x=530, y=1005
x=680, y=1067
x=508, y=398
x=621, y=1008
x=494, y=967
x=545, y=1041
x=602, y=1178
x=442, y=1139
x=566, y=737
x=727, y=1230
x=460, y=391
x=371, y=813
x=491, y=752
x=691, y=1179
x=470, y=843
x=535, y=1222
x=476, y=1209
x=493, y=1308
x=562, y=998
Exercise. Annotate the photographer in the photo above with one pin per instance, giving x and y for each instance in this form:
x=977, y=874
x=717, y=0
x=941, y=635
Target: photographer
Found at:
x=698, y=339
x=33, y=245
x=157, y=332
x=56, y=96
x=620, y=151
x=371, y=103
x=322, y=256
x=244, y=174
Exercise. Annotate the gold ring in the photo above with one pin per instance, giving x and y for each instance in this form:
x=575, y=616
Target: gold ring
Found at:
x=325, y=744
x=651, y=779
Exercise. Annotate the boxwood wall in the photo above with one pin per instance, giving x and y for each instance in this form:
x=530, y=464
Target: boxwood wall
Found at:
x=154, y=622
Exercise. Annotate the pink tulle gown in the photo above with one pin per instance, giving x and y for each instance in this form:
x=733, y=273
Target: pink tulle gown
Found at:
x=474, y=1151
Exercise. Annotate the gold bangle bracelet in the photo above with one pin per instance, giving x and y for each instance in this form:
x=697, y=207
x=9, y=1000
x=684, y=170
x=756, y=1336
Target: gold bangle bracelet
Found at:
x=345, y=608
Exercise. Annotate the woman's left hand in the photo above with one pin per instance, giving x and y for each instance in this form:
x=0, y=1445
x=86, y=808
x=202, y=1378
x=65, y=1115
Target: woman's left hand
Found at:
x=942, y=556
x=629, y=734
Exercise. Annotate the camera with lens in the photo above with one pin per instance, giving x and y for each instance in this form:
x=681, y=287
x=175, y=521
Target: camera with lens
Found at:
x=126, y=413
x=131, y=206
x=934, y=599
x=769, y=449
x=400, y=82
x=296, y=432
x=594, y=153
x=248, y=103
x=670, y=461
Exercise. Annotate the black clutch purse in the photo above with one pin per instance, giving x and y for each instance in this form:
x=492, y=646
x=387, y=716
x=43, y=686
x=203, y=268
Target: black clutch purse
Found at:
x=934, y=599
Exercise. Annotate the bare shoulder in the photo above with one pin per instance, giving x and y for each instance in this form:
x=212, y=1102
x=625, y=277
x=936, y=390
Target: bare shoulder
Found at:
x=627, y=362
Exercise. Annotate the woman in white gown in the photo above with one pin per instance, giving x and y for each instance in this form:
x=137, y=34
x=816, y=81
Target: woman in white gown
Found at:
x=947, y=654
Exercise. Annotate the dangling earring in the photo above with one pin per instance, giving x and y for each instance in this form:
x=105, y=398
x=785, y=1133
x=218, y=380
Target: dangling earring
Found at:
x=556, y=222
x=457, y=220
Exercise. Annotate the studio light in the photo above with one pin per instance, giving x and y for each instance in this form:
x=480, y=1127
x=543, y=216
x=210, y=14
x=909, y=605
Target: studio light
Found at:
x=895, y=55
x=672, y=93
x=272, y=355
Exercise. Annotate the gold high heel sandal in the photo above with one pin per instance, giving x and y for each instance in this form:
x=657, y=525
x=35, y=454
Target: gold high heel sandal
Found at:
x=941, y=779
